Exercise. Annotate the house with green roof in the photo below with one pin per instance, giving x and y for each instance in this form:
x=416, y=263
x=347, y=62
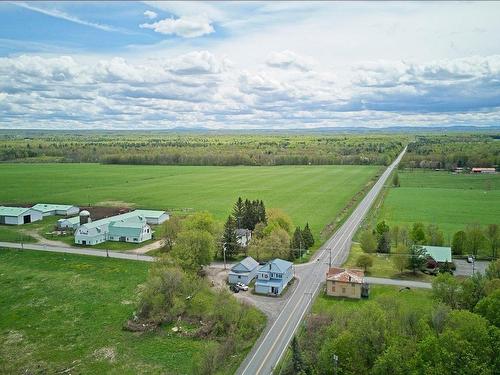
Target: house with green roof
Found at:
x=19, y=215
x=133, y=229
x=440, y=254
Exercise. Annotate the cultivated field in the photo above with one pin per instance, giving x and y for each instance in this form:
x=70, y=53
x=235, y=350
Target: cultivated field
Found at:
x=61, y=312
x=307, y=193
x=449, y=200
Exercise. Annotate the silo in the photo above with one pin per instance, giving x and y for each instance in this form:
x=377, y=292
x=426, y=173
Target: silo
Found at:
x=85, y=217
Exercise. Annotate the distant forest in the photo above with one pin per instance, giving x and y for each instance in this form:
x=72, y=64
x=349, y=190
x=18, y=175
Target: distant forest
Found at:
x=434, y=151
x=201, y=149
x=453, y=151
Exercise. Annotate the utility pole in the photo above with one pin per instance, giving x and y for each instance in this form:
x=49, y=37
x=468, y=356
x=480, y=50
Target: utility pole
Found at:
x=330, y=261
x=224, y=252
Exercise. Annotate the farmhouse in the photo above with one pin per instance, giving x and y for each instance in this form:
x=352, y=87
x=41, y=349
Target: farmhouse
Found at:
x=56, y=209
x=243, y=272
x=18, y=215
x=484, y=170
x=273, y=277
x=438, y=254
x=69, y=223
x=342, y=282
x=243, y=236
x=128, y=227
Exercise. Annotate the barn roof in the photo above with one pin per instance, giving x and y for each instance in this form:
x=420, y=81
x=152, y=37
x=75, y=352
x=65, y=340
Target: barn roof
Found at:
x=46, y=207
x=439, y=253
x=150, y=213
x=12, y=211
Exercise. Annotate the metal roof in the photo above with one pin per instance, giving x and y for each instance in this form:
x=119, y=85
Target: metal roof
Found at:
x=72, y=220
x=46, y=207
x=150, y=213
x=281, y=264
x=12, y=211
x=249, y=263
x=439, y=253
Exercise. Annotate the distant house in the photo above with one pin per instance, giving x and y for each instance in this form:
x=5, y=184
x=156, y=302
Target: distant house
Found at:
x=19, y=215
x=439, y=254
x=243, y=272
x=243, y=236
x=134, y=229
x=483, y=170
x=341, y=282
x=273, y=277
x=69, y=223
x=56, y=209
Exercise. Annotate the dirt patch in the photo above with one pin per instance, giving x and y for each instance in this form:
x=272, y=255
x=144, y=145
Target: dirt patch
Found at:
x=118, y=204
x=100, y=212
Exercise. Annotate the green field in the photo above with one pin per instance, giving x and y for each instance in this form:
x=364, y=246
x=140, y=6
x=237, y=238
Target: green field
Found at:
x=307, y=193
x=449, y=200
x=65, y=311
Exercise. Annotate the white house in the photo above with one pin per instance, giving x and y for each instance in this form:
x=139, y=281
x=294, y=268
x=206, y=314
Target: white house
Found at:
x=134, y=229
x=56, y=209
x=243, y=236
x=243, y=272
x=69, y=223
x=19, y=215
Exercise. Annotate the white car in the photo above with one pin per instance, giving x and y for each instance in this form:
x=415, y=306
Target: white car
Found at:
x=470, y=259
x=241, y=286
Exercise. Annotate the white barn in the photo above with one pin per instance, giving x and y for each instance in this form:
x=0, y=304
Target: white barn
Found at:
x=19, y=215
x=69, y=223
x=152, y=216
x=56, y=209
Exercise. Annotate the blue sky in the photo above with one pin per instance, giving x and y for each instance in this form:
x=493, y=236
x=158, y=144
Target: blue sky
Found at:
x=129, y=65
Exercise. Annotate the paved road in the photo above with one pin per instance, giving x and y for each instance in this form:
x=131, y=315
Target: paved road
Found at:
x=396, y=282
x=272, y=344
x=72, y=250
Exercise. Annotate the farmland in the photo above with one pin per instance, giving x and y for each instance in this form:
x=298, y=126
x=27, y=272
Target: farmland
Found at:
x=307, y=193
x=66, y=312
x=449, y=200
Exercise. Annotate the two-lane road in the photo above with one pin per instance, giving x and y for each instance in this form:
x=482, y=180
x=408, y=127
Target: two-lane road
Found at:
x=270, y=347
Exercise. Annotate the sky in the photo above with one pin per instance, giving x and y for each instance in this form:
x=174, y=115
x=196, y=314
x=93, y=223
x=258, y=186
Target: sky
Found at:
x=248, y=65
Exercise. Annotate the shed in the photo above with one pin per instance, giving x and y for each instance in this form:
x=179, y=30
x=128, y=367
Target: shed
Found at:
x=48, y=209
x=152, y=216
x=243, y=272
x=19, y=215
x=439, y=254
x=69, y=223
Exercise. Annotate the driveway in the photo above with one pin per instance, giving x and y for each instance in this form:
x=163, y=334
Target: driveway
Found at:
x=465, y=269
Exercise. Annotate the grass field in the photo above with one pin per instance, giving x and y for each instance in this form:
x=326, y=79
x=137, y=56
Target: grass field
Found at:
x=448, y=200
x=307, y=193
x=64, y=311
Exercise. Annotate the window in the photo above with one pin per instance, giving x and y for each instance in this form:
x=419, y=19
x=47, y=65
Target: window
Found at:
x=135, y=239
x=333, y=288
x=343, y=290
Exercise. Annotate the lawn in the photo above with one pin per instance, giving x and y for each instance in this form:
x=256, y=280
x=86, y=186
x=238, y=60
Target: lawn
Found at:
x=65, y=311
x=383, y=266
x=449, y=200
x=314, y=194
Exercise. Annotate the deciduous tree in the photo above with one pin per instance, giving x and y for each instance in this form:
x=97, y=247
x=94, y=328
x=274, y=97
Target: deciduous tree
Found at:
x=459, y=243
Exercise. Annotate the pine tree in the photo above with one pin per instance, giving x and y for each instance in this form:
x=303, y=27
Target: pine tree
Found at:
x=298, y=242
x=247, y=219
x=229, y=238
x=238, y=211
x=262, y=213
x=307, y=236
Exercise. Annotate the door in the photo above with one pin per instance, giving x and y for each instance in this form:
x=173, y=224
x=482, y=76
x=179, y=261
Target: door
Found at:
x=274, y=290
x=123, y=239
x=84, y=242
x=27, y=219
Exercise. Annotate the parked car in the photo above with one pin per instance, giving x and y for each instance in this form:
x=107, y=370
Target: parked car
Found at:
x=470, y=259
x=242, y=286
x=234, y=288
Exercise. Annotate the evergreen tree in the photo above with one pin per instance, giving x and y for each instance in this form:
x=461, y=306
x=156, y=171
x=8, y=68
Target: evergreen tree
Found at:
x=417, y=258
x=229, y=239
x=262, y=213
x=247, y=221
x=307, y=236
x=383, y=237
x=395, y=180
x=238, y=211
x=297, y=243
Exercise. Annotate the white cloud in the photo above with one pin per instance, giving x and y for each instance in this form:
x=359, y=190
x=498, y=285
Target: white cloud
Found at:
x=288, y=59
x=150, y=14
x=186, y=27
x=198, y=62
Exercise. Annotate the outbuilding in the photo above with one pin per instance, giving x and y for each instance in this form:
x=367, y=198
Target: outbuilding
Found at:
x=56, y=209
x=134, y=229
x=19, y=215
x=243, y=272
x=341, y=282
x=439, y=254
x=153, y=217
x=69, y=223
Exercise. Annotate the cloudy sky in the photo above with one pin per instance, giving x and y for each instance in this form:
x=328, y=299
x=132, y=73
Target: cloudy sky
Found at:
x=135, y=65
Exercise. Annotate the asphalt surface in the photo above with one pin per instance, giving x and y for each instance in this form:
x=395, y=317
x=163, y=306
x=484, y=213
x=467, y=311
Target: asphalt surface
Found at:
x=272, y=344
